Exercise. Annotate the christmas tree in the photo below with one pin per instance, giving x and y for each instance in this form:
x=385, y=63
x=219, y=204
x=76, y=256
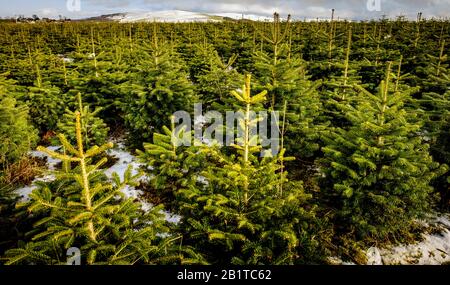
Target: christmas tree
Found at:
x=157, y=89
x=377, y=172
x=83, y=209
x=16, y=133
x=216, y=79
x=92, y=127
x=46, y=104
x=236, y=203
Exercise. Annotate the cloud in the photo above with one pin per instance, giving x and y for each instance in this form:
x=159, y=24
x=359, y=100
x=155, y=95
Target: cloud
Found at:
x=109, y=3
x=48, y=12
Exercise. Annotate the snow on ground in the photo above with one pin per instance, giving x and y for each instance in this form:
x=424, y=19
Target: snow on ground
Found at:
x=178, y=16
x=433, y=250
x=51, y=162
x=125, y=159
x=24, y=192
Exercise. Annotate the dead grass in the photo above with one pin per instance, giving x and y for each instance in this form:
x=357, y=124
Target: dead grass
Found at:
x=22, y=172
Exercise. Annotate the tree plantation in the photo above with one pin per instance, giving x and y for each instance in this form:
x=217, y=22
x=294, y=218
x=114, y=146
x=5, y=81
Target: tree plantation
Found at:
x=356, y=156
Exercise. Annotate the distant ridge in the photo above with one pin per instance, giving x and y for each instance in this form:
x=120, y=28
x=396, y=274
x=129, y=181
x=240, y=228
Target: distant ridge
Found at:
x=174, y=16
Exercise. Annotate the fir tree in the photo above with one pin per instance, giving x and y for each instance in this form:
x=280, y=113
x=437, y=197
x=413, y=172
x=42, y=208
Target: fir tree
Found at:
x=377, y=172
x=203, y=57
x=243, y=211
x=46, y=104
x=98, y=75
x=82, y=209
x=276, y=72
x=433, y=104
x=285, y=78
x=18, y=137
x=93, y=128
x=158, y=88
x=170, y=164
x=16, y=133
x=216, y=78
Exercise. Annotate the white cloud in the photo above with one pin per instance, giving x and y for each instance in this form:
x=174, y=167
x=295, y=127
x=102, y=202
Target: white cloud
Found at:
x=48, y=12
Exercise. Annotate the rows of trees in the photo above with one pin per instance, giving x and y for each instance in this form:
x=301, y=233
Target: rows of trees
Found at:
x=363, y=151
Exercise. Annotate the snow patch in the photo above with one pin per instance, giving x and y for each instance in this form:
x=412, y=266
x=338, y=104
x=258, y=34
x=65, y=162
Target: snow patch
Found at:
x=125, y=159
x=24, y=192
x=433, y=250
x=51, y=162
x=374, y=256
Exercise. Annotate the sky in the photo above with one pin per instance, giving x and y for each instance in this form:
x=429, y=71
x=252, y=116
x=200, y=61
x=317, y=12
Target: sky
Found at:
x=348, y=9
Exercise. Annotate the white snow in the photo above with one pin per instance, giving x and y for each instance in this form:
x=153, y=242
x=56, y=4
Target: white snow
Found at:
x=239, y=16
x=51, y=162
x=433, y=250
x=178, y=16
x=374, y=256
x=65, y=59
x=25, y=191
x=202, y=180
x=125, y=159
x=170, y=16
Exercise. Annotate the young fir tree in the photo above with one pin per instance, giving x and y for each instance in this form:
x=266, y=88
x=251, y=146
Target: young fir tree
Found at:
x=16, y=133
x=274, y=69
x=239, y=208
x=97, y=76
x=157, y=89
x=377, y=171
x=83, y=209
x=203, y=57
x=283, y=75
x=216, y=80
x=434, y=76
x=46, y=103
x=171, y=164
x=93, y=128
x=440, y=149
x=339, y=89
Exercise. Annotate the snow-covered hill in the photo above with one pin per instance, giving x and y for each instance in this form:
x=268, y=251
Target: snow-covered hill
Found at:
x=172, y=16
x=237, y=16
x=176, y=16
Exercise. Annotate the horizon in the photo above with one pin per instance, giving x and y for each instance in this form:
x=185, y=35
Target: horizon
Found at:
x=304, y=9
